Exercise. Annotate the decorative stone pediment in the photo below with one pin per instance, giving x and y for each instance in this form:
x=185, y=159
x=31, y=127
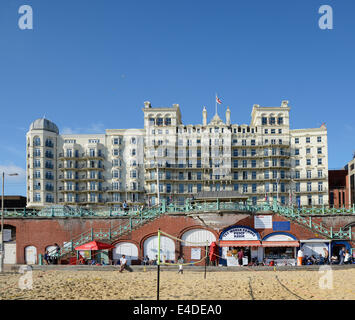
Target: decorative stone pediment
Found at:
x=216, y=120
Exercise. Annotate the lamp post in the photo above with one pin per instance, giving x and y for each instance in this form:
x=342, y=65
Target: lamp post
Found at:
x=2, y=222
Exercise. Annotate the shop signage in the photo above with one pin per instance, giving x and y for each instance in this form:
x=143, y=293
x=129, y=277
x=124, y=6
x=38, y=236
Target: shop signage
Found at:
x=263, y=222
x=239, y=233
x=281, y=226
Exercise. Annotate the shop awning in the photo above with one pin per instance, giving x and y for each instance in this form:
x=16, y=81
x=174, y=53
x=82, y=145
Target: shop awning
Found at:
x=240, y=243
x=280, y=244
x=94, y=245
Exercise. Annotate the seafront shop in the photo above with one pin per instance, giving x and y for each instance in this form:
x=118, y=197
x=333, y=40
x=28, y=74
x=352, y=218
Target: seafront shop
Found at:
x=279, y=247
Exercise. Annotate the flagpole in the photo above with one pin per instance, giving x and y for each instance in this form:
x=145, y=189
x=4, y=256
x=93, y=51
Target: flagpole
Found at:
x=216, y=103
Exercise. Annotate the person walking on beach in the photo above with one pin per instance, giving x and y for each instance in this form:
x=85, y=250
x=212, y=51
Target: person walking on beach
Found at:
x=180, y=262
x=240, y=257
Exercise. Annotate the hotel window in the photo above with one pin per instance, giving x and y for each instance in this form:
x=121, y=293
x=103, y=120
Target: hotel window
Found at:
x=151, y=121
x=189, y=188
x=319, y=160
x=320, y=199
x=266, y=152
x=280, y=131
x=133, y=152
x=298, y=187
x=235, y=176
x=245, y=175
x=273, y=131
x=274, y=187
x=37, y=197
x=181, y=188
x=253, y=163
x=252, y=143
x=309, y=174
x=267, y=187
x=320, y=173
x=280, y=141
x=235, y=163
x=319, y=139
x=274, y=162
x=253, y=187
x=319, y=150
x=91, y=152
x=133, y=174
x=116, y=197
x=297, y=174
x=115, y=186
x=266, y=163
x=152, y=187
x=199, y=187
x=266, y=175
x=133, y=140
x=274, y=174
x=168, y=187
x=167, y=121
x=115, y=174
x=272, y=120
x=244, y=142
x=198, y=175
x=282, y=187
x=37, y=142
x=283, y=199
x=308, y=140
x=253, y=175
x=266, y=131
x=297, y=140
x=297, y=162
x=245, y=188
x=320, y=186
x=308, y=162
x=253, y=152
x=309, y=186
x=37, y=174
x=273, y=141
x=245, y=163
x=263, y=120
x=297, y=152
x=235, y=152
x=160, y=121
x=280, y=120
x=266, y=141
x=308, y=150
x=236, y=187
x=244, y=152
x=282, y=174
x=36, y=163
x=115, y=141
x=168, y=175
x=37, y=153
x=92, y=197
x=273, y=152
x=282, y=162
x=181, y=176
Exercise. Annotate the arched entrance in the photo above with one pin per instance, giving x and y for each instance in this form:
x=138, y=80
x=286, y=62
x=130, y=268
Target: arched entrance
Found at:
x=130, y=250
x=167, y=248
x=9, y=244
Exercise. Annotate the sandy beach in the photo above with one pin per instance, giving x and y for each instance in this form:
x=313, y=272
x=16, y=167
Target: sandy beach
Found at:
x=241, y=285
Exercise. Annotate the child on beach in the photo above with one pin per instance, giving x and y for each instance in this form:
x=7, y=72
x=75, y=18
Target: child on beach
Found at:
x=180, y=262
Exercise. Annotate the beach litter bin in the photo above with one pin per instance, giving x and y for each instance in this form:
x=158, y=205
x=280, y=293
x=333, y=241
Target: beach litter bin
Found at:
x=40, y=259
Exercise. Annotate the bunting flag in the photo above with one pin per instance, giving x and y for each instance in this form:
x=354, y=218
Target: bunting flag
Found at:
x=218, y=100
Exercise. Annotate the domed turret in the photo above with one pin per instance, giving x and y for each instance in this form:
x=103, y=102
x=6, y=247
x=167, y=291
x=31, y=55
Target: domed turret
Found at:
x=44, y=124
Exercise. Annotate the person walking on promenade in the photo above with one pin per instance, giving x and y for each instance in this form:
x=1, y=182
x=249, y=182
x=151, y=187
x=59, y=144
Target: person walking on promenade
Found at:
x=240, y=257
x=300, y=257
x=180, y=262
x=341, y=255
x=347, y=257
x=326, y=256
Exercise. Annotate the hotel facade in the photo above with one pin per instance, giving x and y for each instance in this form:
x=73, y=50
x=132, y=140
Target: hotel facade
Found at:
x=168, y=160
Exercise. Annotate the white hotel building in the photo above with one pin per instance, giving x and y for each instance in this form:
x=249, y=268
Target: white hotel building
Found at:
x=262, y=159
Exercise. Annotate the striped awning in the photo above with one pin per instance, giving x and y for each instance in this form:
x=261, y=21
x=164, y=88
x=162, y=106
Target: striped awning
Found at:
x=280, y=244
x=240, y=243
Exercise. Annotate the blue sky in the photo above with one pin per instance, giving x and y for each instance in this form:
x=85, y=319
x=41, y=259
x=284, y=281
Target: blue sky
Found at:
x=90, y=65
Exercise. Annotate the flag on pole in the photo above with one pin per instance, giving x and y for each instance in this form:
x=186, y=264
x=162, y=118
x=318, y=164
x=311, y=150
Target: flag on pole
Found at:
x=218, y=100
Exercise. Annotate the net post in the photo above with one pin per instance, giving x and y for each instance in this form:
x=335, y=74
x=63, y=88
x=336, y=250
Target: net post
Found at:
x=158, y=265
x=206, y=258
